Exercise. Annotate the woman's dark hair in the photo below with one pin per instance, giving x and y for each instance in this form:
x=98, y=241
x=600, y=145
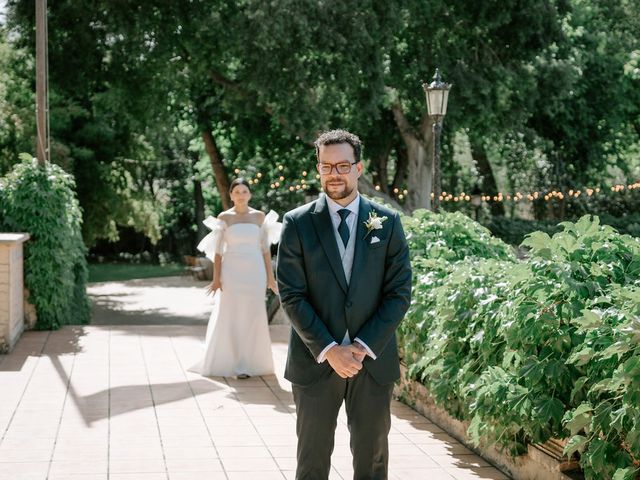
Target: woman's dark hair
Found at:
x=239, y=181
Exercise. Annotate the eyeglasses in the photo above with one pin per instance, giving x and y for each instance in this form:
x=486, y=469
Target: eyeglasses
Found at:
x=342, y=168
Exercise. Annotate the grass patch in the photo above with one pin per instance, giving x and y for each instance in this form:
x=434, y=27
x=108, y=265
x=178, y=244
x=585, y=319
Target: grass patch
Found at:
x=110, y=272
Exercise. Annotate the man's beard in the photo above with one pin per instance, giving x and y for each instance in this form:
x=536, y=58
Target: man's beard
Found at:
x=338, y=195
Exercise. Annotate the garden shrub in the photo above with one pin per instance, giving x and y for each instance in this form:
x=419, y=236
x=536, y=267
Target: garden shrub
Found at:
x=546, y=347
x=449, y=252
x=42, y=202
x=514, y=230
x=451, y=237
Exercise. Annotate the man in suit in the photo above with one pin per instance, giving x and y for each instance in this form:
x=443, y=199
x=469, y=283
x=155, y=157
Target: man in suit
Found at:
x=345, y=283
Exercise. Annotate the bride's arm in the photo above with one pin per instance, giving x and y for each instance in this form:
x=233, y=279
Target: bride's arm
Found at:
x=215, y=283
x=271, y=279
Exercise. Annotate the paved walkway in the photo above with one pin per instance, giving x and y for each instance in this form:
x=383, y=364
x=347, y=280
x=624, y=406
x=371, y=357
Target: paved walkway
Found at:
x=115, y=401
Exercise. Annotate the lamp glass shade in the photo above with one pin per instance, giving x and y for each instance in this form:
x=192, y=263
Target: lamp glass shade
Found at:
x=437, y=99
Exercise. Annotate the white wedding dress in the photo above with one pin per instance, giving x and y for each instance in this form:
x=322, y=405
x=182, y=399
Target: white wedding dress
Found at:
x=237, y=341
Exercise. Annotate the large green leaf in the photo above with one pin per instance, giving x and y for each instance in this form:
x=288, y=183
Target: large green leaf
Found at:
x=580, y=418
x=628, y=473
x=576, y=443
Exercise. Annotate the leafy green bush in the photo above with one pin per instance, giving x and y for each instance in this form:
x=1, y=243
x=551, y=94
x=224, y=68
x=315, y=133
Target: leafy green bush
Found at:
x=451, y=237
x=42, y=202
x=449, y=252
x=514, y=230
x=547, y=347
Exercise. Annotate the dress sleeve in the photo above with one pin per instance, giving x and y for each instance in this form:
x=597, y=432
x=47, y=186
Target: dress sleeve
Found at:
x=270, y=230
x=213, y=243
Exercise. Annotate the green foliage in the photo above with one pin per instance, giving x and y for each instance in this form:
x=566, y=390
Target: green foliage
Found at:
x=448, y=258
x=451, y=237
x=514, y=230
x=546, y=347
x=264, y=77
x=589, y=127
x=42, y=202
x=17, y=119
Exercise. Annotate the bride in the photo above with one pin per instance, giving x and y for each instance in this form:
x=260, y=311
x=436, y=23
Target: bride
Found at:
x=237, y=341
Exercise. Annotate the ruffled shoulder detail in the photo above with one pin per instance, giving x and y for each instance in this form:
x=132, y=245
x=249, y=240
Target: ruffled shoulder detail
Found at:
x=271, y=227
x=211, y=244
x=213, y=223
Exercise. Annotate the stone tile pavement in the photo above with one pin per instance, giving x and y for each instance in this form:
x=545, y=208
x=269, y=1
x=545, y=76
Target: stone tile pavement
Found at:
x=117, y=402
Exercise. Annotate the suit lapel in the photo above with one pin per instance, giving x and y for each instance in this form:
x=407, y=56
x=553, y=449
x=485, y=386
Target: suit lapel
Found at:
x=324, y=229
x=360, y=247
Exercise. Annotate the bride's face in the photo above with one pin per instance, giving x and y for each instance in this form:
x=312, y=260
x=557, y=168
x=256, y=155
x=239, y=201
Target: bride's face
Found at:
x=240, y=195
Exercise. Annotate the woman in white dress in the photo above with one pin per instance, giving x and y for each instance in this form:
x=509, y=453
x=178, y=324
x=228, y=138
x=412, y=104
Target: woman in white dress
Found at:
x=237, y=342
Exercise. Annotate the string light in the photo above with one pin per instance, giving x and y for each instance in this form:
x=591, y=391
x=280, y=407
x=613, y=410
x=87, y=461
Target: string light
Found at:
x=546, y=196
x=401, y=194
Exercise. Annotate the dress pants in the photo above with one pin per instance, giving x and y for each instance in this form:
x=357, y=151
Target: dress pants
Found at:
x=368, y=407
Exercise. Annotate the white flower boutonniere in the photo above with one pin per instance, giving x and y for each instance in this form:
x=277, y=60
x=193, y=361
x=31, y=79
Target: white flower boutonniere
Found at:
x=374, y=222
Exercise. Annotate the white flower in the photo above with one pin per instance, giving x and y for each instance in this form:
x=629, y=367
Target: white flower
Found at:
x=374, y=222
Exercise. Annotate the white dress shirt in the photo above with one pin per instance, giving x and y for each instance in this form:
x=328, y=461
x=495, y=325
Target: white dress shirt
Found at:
x=346, y=256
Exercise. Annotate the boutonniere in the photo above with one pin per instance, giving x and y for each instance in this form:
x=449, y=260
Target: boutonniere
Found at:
x=374, y=222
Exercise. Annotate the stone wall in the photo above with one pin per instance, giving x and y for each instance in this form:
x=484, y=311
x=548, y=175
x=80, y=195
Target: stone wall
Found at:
x=541, y=462
x=11, y=289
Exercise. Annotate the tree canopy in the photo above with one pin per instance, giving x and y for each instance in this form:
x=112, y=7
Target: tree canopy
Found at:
x=154, y=103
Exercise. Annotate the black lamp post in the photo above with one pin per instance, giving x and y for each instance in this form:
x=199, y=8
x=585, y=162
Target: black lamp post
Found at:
x=437, y=97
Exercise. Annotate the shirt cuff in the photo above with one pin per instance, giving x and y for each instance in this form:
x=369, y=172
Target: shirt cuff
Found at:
x=366, y=347
x=323, y=355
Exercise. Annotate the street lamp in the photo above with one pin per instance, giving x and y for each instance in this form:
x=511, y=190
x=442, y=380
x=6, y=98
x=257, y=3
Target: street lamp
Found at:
x=437, y=97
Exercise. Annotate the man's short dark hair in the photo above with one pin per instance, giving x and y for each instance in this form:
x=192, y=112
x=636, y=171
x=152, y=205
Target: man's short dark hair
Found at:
x=334, y=137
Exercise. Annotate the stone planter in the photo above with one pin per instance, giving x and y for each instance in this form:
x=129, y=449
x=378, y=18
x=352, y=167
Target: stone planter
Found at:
x=541, y=462
x=11, y=289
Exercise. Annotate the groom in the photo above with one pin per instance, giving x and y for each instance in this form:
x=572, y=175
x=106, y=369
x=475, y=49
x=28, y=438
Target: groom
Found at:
x=345, y=283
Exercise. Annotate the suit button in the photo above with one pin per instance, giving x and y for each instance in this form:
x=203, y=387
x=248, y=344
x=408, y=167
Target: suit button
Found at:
x=349, y=303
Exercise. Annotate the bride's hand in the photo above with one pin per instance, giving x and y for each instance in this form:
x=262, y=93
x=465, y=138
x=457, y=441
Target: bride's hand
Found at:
x=213, y=286
x=273, y=285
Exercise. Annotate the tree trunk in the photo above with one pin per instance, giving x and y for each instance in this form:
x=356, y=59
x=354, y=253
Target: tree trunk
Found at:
x=217, y=164
x=488, y=184
x=379, y=166
x=402, y=162
x=419, y=148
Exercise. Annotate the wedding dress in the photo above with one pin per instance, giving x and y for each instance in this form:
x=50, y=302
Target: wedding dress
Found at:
x=237, y=341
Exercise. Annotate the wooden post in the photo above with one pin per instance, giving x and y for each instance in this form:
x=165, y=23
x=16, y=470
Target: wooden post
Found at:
x=42, y=94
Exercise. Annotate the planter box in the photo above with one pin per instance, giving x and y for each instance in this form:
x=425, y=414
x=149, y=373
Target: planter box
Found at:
x=541, y=462
x=11, y=289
